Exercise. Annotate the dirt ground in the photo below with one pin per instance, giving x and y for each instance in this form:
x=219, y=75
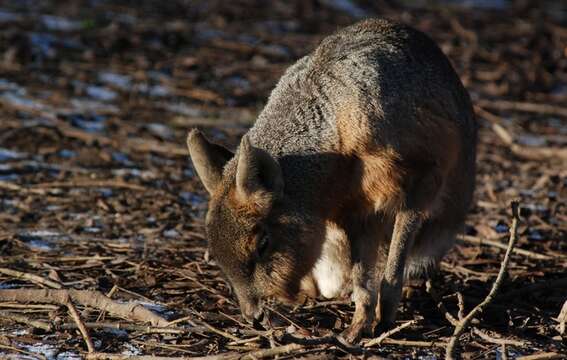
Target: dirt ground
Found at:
x=97, y=191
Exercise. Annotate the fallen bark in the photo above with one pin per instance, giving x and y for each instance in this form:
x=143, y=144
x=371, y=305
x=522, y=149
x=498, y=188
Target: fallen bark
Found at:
x=94, y=299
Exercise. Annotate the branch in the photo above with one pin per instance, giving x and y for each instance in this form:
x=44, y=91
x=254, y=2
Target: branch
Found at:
x=94, y=299
x=464, y=323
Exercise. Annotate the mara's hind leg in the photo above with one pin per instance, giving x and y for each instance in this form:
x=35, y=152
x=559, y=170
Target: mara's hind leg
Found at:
x=406, y=226
x=419, y=197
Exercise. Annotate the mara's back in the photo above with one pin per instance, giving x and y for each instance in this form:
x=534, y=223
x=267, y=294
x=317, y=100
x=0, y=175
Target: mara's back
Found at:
x=374, y=86
x=387, y=72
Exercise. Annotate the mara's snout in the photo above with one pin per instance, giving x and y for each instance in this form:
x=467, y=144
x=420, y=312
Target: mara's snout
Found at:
x=357, y=173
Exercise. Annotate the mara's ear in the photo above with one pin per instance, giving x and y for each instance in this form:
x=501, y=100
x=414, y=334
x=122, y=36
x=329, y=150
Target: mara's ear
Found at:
x=208, y=159
x=259, y=179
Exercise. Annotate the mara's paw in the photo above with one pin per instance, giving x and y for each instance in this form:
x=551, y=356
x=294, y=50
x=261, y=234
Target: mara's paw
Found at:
x=380, y=327
x=355, y=332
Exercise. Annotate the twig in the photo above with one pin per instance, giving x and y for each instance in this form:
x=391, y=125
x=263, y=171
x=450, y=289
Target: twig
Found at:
x=524, y=106
x=105, y=356
x=278, y=350
x=463, y=324
x=497, y=341
x=220, y=332
x=529, y=153
x=482, y=241
x=140, y=328
x=84, y=332
x=31, y=277
x=387, y=334
x=413, y=343
x=33, y=355
x=461, y=305
x=119, y=184
x=93, y=299
x=325, y=340
x=25, y=320
x=541, y=356
x=562, y=319
x=29, y=306
x=431, y=290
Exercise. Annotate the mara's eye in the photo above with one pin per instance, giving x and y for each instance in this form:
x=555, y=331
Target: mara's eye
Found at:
x=262, y=245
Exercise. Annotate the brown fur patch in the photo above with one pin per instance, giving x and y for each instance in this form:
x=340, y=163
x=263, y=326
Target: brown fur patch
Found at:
x=256, y=205
x=353, y=127
x=382, y=180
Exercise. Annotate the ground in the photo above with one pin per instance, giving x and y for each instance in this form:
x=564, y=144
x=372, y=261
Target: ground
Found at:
x=97, y=191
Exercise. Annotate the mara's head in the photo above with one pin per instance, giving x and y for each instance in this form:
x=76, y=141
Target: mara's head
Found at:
x=255, y=233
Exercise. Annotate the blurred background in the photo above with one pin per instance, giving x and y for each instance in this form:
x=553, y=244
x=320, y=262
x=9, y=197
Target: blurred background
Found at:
x=96, y=99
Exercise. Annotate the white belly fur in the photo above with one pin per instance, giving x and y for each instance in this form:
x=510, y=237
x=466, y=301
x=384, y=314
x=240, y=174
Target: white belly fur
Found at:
x=332, y=271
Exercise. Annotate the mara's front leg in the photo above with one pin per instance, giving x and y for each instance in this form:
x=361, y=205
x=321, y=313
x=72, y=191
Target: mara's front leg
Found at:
x=364, y=251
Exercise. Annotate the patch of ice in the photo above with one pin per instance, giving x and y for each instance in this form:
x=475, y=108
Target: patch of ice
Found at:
x=58, y=23
x=89, y=123
x=482, y=4
x=192, y=198
x=131, y=350
x=183, y=109
x=171, y=233
x=121, y=158
x=6, y=85
x=7, y=16
x=41, y=239
x=67, y=154
x=21, y=101
x=531, y=140
x=122, y=82
x=19, y=332
x=160, y=130
x=92, y=106
x=68, y=355
x=7, y=154
x=346, y=6
x=101, y=93
x=160, y=309
x=137, y=173
x=92, y=230
x=47, y=350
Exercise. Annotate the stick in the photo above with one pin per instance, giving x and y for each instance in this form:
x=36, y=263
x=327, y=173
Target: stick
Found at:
x=25, y=320
x=524, y=106
x=31, y=277
x=562, y=319
x=140, y=328
x=497, y=341
x=482, y=241
x=105, y=356
x=33, y=355
x=431, y=290
x=463, y=324
x=220, y=332
x=541, y=356
x=278, y=350
x=526, y=152
x=94, y=299
x=379, y=339
x=413, y=343
x=84, y=332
